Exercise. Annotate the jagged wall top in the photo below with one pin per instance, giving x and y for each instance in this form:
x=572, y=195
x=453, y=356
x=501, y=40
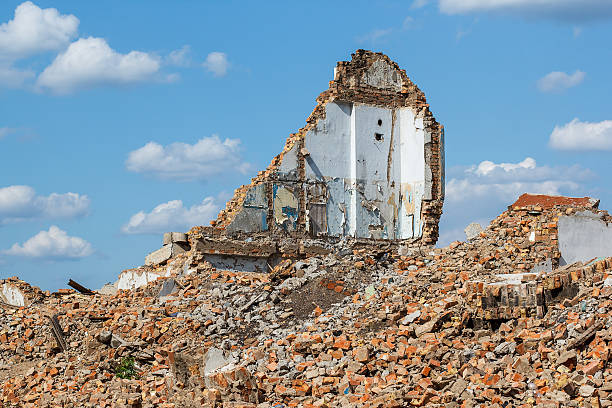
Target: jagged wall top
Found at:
x=374, y=79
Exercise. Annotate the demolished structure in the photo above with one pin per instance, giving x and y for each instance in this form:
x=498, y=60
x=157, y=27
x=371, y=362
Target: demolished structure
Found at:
x=318, y=286
x=368, y=165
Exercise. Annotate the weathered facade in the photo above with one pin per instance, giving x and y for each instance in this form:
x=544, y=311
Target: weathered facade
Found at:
x=369, y=164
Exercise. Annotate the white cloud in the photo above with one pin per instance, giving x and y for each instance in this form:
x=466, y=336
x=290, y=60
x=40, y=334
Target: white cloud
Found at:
x=577, y=135
x=5, y=131
x=375, y=35
x=180, y=57
x=560, y=81
x=12, y=77
x=568, y=10
x=419, y=4
x=217, y=63
x=54, y=244
x=408, y=23
x=89, y=62
x=481, y=192
x=185, y=162
x=34, y=30
x=20, y=203
x=172, y=216
x=488, y=167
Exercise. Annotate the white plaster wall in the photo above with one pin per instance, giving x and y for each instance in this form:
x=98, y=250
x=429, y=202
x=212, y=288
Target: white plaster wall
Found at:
x=135, y=279
x=375, y=186
x=582, y=237
x=371, y=154
x=412, y=173
x=290, y=162
x=12, y=295
x=327, y=144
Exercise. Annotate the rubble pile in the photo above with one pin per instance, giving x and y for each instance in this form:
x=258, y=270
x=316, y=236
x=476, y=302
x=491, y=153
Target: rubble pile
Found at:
x=478, y=323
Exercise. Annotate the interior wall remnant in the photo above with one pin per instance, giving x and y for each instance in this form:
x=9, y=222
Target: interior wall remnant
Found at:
x=583, y=236
x=285, y=207
x=368, y=164
x=131, y=279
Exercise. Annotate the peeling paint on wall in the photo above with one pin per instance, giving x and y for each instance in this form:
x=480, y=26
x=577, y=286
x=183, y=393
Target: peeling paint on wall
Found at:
x=285, y=208
x=367, y=164
x=131, y=279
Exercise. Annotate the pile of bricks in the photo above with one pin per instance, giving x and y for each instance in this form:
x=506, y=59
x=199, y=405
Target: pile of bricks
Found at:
x=353, y=327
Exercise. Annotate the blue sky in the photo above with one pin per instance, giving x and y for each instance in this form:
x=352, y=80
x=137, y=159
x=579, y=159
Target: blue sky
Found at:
x=124, y=120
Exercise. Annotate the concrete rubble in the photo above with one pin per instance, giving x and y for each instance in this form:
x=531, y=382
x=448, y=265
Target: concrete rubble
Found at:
x=291, y=299
x=471, y=324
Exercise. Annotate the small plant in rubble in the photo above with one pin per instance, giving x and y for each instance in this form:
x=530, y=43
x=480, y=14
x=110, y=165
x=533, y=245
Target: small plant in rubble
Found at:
x=126, y=369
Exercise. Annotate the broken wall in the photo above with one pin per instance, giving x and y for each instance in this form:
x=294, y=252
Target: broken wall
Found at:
x=543, y=232
x=15, y=292
x=369, y=164
x=584, y=236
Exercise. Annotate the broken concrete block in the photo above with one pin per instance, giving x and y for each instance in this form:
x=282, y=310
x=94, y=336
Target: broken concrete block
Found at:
x=12, y=295
x=472, y=230
x=108, y=289
x=117, y=341
x=105, y=337
x=163, y=254
x=135, y=278
x=169, y=286
x=175, y=237
x=214, y=359
x=568, y=359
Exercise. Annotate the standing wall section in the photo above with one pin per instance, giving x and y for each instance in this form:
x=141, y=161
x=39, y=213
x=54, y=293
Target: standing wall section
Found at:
x=368, y=164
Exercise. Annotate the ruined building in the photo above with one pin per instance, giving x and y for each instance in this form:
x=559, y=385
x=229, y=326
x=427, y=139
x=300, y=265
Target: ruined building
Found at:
x=368, y=166
x=354, y=308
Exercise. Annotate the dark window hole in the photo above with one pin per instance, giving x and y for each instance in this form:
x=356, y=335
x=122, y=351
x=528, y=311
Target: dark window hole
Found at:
x=378, y=136
x=379, y=122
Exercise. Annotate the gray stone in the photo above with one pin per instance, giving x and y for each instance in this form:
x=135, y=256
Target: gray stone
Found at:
x=163, y=254
x=171, y=237
x=117, y=341
x=472, y=230
x=411, y=317
x=545, y=266
x=105, y=337
x=169, y=286
x=108, y=289
x=505, y=348
x=215, y=358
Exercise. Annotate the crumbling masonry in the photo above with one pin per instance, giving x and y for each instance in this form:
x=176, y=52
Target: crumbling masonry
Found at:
x=368, y=164
x=368, y=167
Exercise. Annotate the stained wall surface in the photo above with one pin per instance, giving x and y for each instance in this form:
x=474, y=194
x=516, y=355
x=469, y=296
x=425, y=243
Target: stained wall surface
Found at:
x=369, y=164
x=584, y=236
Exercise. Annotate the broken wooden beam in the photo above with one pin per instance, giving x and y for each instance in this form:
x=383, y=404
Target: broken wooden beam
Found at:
x=80, y=288
x=57, y=331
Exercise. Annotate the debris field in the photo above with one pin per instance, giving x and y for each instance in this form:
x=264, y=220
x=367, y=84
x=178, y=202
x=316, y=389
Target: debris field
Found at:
x=319, y=285
x=397, y=326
